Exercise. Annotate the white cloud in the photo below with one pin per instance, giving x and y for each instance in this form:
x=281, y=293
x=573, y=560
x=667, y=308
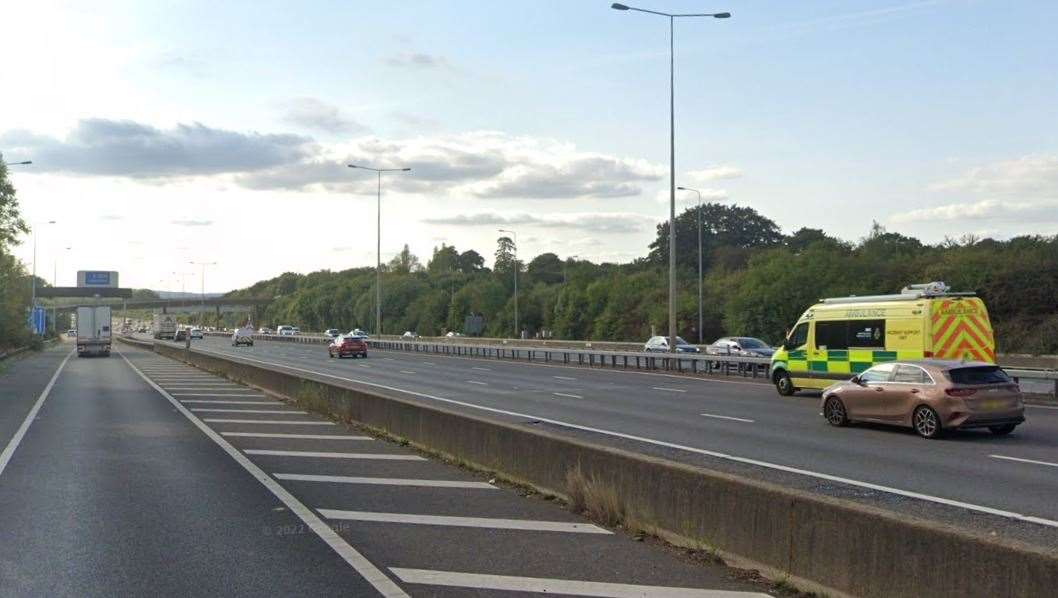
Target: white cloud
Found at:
x=990, y=209
x=598, y=222
x=313, y=114
x=1028, y=176
x=714, y=173
x=418, y=60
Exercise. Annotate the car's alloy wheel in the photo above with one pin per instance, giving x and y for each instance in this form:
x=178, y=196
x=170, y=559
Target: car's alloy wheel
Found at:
x=834, y=411
x=927, y=422
x=784, y=384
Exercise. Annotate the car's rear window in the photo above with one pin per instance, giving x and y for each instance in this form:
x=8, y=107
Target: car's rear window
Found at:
x=985, y=374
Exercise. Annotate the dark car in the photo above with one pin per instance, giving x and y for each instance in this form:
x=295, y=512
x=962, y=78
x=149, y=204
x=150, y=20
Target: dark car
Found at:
x=741, y=346
x=181, y=335
x=929, y=395
x=355, y=346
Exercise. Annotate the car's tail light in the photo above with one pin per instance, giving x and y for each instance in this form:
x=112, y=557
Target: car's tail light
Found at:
x=960, y=392
x=927, y=354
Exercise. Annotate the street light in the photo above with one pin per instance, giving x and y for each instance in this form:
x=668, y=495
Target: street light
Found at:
x=699, y=259
x=378, y=240
x=33, y=296
x=202, y=318
x=55, y=283
x=517, y=334
x=672, y=151
x=23, y=163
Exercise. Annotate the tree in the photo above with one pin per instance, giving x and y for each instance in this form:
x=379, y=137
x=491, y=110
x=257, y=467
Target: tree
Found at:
x=471, y=262
x=445, y=260
x=405, y=262
x=722, y=225
x=546, y=268
x=505, y=255
x=11, y=223
x=14, y=284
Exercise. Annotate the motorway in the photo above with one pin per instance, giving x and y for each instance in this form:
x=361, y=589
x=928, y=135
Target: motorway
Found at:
x=137, y=475
x=1002, y=485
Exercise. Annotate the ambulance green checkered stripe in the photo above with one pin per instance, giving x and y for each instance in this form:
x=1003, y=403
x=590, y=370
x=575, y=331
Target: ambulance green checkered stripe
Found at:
x=883, y=356
x=798, y=355
x=859, y=366
x=837, y=355
x=817, y=366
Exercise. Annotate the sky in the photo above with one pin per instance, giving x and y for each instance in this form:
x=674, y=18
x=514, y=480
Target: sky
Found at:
x=169, y=133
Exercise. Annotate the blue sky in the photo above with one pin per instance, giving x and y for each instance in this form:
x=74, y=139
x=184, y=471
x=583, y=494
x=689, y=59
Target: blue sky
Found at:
x=935, y=118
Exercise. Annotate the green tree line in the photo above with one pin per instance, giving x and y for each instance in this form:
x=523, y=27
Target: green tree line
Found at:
x=756, y=282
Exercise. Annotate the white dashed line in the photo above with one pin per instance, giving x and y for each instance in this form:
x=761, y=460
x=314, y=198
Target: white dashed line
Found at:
x=1033, y=461
x=342, y=479
x=667, y=389
x=737, y=419
x=477, y=382
x=214, y=420
x=563, y=378
x=407, y=372
x=258, y=411
x=295, y=436
x=482, y=369
x=326, y=455
x=562, y=394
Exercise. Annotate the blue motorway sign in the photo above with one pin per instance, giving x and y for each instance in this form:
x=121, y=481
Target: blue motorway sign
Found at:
x=97, y=278
x=38, y=320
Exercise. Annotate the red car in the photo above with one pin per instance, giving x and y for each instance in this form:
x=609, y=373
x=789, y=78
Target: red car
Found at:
x=348, y=345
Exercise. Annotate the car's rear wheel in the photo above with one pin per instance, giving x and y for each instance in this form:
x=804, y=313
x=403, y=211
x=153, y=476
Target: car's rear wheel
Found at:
x=926, y=422
x=1002, y=430
x=784, y=384
x=834, y=412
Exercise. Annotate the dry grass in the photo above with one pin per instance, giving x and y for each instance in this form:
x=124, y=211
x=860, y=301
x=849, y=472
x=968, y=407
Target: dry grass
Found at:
x=594, y=498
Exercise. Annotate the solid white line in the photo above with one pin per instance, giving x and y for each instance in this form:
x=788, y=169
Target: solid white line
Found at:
x=364, y=567
x=491, y=523
x=1024, y=460
x=297, y=436
x=737, y=419
x=273, y=411
x=213, y=394
x=668, y=389
x=563, y=377
x=568, y=587
x=1042, y=407
x=407, y=372
x=476, y=382
x=266, y=421
x=227, y=388
x=682, y=447
x=322, y=455
x=562, y=394
x=341, y=479
x=213, y=402
x=9, y=450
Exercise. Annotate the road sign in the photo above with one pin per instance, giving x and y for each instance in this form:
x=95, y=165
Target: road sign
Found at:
x=97, y=278
x=38, y=320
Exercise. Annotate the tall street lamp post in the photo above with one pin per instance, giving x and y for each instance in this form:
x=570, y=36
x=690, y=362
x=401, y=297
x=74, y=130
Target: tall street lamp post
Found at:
x=202, y=317
x=672, y=151
x=378, y=254
x=699, y=259
x=517, y=333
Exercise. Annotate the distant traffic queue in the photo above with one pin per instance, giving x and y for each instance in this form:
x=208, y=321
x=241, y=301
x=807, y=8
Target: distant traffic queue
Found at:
x=840, y=337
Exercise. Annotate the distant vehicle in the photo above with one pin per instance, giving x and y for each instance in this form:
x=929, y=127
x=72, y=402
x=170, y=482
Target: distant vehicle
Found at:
x=347, y=345
x=453, y=334
x=141, y=329
x=71, y=332
x=332, y=332
x=285, y=331
x=360, y=333
x=163, y=326
x=93, y=330
x=843, y=336
x=742, y=346
x=242, y=336
x=931, y=396
x=264, y=330
x=660, y=344
x=195, y=333
x=297, y=330
x=409, y=334
x=181, y=335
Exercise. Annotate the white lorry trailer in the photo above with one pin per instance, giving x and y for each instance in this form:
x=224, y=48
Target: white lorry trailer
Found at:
x=164, y=327
x=93, y=330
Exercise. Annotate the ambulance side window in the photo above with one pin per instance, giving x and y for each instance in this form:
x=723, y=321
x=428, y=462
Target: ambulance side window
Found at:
x=799, y=337
x=832, y=335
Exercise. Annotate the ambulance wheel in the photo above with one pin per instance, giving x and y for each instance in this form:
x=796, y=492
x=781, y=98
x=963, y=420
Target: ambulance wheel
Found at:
x=784, y=384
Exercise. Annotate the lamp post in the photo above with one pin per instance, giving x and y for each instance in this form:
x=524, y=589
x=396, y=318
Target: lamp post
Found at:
x=202, y=318
x=517, y=333
x=699, y=259
x=33, y=296
x=22, y=163
x=378, y=240
x=55, y=283
x=672, y=151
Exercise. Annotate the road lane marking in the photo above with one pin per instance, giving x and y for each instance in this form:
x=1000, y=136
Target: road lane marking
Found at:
x=427, y=363
x=266, y=421
x=9, y=450
x=407, y=372
x=341, y=479
x=482, y=369
x=1033, y=461
x=213, y=402
x=271, y=411
x=677, y=446
x=565, y=587
x=225, y=388
x=737, y=419
x=485, y=522
x=296, y=436
x=364, y=365
x=563, y=377
x=1041, y=407
x=665, y=388
x=477, y=382
x=213, y=394
x=373, y=575
x=326, y=455
x=562, y=394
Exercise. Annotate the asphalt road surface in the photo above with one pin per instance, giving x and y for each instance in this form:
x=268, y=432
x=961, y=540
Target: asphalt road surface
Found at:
x=136, y=475
x=1005, y=485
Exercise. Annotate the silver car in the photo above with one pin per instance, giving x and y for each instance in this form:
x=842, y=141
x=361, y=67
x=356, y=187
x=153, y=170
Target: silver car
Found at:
x=741, y=346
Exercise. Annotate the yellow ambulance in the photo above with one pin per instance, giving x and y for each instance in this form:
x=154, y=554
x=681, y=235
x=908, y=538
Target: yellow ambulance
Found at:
x=840, y=337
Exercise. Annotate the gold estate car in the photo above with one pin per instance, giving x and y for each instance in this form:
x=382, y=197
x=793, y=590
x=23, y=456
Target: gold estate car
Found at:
x=931, y=396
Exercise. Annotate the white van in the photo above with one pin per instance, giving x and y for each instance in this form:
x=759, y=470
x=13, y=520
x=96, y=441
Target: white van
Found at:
x=242, y=336
x=286, y=330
